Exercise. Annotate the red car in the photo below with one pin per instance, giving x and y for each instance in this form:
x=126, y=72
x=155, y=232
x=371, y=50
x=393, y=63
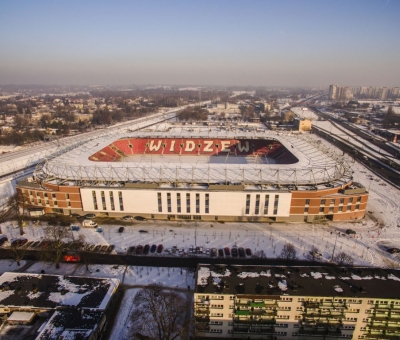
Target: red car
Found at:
x=139, y=249
x=160, y=248
x=227, y=251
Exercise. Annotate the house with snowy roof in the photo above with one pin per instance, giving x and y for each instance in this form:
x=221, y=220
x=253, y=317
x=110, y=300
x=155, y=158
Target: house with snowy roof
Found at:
x=55, y=306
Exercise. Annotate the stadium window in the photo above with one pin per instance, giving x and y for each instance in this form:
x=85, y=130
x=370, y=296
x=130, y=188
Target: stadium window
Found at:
x=169, y=201
x=257, y=210
x=30, y=193
x=159, y=202
x=103, y=200
x=53, y=195
x=69, y=203
x=357, y=206
x=307, y=201
x=358, y=199
x=323, y=202
x=247, y=204
x=46, y=195
x=188, y=203
x=178, y=202
x=197, y=203
x=341, y=201
x=321, y=210
x=38, y=194
x=47, y=203
x=276, y=202
x=350, y=200
x=331, y=209
x=121, y=202
x=112, y=200
x=66, y=196
x=266, y=204
x=348, y=207
x=207, y=207
x=39, y=201
x=55, y=203
x=306, y=210
x=340, y=209
x=94, y=200
x=332, y=201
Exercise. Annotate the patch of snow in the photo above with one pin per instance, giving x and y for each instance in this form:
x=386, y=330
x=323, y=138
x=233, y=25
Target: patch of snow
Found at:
x=316, y=275
x=282, y=285
x=338, y=289
x=392, y=277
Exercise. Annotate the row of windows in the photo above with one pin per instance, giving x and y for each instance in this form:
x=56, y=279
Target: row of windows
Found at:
x=266, y=204
x=179, y=203
x=46, y=195
x=340, y=209
x=332, y=201
x=111, y=199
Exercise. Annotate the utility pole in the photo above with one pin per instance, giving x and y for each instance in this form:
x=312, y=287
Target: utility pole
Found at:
x=334, y=247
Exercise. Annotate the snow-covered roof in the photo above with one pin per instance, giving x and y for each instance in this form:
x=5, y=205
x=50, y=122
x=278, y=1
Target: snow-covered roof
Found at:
x=50, y=291
x=315, y=164
x=303, y=281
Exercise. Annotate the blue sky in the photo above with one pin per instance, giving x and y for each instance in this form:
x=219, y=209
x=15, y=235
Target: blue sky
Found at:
x=203, y=42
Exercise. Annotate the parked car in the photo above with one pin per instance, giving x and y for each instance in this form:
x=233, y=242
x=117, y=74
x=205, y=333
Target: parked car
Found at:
x=393, y=250
x=3, y=239
x=143, y=231
x=241, y=252
x=227, y=251
x=139, y=249
x=89, y=216
x=127, y=218
x=65, y=224
x=160, y=249
x=350, y=232
x=131, y=249
x=75, y=215
x=121, y=229
x=213, y=252
x=89, y=223
x=220, y=252
x=234, y=252
x=146, y=249
x=153, y=249
x=19, y=242
x=140, y=218
x=248, y=252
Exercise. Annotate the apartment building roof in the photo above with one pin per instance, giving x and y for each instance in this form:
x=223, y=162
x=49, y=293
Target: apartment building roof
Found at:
x=259, y=281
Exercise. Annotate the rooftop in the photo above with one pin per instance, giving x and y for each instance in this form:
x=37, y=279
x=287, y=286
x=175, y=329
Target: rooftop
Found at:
x=51, y=291
x=298, y=281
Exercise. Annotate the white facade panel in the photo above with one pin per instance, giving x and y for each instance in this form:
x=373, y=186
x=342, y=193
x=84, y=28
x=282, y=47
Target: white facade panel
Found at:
x=221, y=203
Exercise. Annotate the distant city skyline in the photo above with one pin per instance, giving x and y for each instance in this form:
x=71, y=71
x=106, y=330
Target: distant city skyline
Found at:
x=255, y=43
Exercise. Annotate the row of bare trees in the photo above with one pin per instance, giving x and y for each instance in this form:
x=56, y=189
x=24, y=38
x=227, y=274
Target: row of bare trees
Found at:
x=289, y=253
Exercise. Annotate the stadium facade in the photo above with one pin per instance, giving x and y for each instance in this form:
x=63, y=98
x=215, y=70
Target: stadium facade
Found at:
x=203, y=174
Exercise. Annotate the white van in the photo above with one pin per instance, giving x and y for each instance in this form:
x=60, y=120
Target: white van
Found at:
x=89, y=223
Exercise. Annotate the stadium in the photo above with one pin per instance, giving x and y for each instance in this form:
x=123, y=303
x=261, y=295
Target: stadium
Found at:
x=171, y=171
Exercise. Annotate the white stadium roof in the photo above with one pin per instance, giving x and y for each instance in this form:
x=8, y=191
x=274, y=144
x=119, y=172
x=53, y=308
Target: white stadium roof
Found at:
x=316, y=166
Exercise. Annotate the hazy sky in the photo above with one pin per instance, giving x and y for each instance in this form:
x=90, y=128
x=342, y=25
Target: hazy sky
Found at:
x=216, y=42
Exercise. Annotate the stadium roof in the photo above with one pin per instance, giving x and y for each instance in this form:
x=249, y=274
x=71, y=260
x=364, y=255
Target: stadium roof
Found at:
x=316, y=165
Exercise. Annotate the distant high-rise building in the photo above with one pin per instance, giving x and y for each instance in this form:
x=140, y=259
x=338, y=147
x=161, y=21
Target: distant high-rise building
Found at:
x=333, y=91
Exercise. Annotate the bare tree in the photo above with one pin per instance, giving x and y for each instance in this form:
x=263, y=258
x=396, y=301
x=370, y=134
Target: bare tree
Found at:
x=288, y=252
x=314, y=254
x=58, y=240
x=342, y=259
x=160, y=314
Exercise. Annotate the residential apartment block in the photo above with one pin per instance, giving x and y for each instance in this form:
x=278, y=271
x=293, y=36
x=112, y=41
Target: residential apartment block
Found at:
x=260, y=302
